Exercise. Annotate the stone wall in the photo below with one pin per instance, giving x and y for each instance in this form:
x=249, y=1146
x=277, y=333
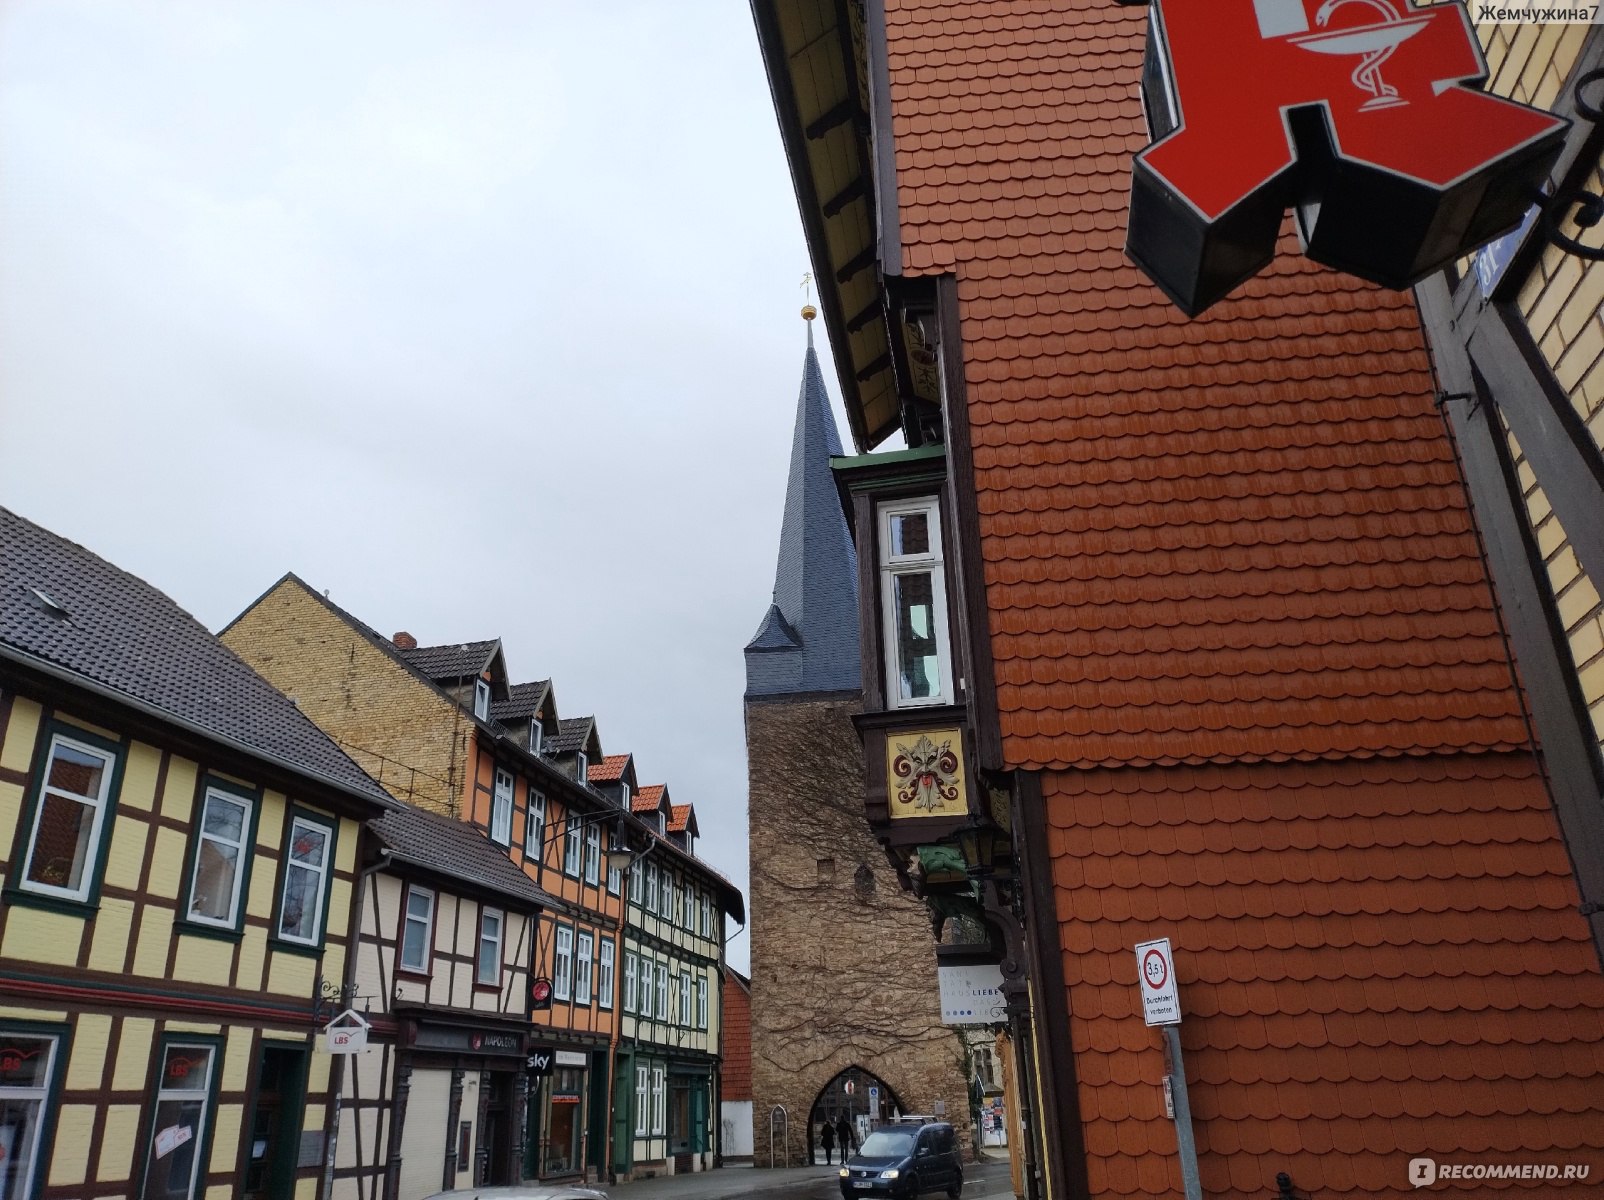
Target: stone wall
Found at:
x=843, y=960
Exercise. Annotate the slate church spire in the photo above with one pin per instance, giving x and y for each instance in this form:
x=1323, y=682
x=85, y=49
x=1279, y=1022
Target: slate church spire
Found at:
x=808, y=640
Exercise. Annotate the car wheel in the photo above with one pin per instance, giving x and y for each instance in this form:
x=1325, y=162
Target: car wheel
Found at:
x=957, y=1188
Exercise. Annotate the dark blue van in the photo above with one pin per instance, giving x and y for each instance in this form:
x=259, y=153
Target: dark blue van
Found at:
x=905, y=1160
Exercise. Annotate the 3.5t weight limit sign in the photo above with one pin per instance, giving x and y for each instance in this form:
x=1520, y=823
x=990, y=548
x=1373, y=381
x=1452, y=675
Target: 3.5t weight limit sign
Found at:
x=1155, y=976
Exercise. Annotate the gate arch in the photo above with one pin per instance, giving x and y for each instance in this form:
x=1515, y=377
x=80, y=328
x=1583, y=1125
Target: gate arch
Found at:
x=847, y=1093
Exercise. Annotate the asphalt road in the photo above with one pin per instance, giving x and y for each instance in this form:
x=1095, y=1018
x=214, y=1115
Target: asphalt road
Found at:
x=982, y=1181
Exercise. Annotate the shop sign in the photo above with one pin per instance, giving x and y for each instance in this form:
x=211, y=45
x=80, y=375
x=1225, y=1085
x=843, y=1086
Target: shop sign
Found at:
x=540, y=1061
x=971, y=994
x=572, y=1058
x=1362, y=116
x=472, y=1041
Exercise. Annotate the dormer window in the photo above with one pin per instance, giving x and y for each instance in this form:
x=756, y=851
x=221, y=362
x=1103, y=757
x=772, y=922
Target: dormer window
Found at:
x=623, y=793
x=581, y=767
x=662, y=822
x=481, y=699
x=913, y=598
x=534, y=735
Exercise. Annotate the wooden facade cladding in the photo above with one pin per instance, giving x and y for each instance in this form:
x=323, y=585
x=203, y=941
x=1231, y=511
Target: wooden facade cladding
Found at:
x=125, y=977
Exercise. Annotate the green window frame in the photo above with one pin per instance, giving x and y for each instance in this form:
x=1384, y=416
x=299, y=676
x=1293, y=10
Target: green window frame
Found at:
x=19, y=1050
x=35, y=880
x=173, y=1145
x=208, y=845
x=296, y=862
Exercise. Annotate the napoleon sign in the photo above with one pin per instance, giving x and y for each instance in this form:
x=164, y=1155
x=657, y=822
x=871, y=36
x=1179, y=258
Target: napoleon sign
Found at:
x=1362, y=116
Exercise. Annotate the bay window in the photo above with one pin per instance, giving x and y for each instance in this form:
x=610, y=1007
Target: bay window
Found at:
x=913, y=597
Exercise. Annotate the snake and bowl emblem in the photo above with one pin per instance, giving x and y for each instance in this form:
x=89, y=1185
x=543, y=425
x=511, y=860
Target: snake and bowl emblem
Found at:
x=926, y=774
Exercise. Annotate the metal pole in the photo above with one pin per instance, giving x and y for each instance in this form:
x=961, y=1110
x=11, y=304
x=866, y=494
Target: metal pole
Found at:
x=1184, y=1143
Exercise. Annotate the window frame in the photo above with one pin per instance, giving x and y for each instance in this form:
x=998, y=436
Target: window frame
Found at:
x=42, y=1155
x=665, y=909
x=481, y=699
x=537, y=734
x=581, y=768
x=87, y=896
x=662, y=992
x=411, y=889
x=623, y=794
x=535, y=825
x=606, y=961
x=573, y=846
x=584, y=965
x=615, y=875
x=202, y=1157
x=701, y=1002
x=643, y=1101
x=889, y=566
x=331, y=828
x=486, y=912
x=562, y=964
x=687, y=907
x=648, y=900
x=593, y=854
x=659, y=1087
x=501, y=806
x=232, y=793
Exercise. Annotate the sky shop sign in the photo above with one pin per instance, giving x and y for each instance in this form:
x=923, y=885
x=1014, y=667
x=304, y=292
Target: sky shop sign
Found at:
x=1362, y=116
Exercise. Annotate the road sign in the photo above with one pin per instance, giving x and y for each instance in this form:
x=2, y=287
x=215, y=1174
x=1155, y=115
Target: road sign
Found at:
x=1155, y=976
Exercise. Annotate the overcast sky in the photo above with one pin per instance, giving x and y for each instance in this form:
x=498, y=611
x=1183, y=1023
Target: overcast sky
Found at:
x=482, y=316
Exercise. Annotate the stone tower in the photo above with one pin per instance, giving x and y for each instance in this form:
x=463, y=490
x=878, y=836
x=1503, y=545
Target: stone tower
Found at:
x=843, y=961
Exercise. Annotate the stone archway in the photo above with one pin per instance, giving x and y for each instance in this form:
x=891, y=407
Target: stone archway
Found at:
x=857, y=1094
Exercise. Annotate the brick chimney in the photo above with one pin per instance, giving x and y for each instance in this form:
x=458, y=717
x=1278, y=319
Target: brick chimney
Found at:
x=405, y=640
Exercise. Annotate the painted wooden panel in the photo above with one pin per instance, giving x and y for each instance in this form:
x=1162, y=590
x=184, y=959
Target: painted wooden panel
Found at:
x=428, y=1107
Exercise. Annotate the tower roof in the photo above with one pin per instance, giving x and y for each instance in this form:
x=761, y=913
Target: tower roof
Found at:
x=807, y=641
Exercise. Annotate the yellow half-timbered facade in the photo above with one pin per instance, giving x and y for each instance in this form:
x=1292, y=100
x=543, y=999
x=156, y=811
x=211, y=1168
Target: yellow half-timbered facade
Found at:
x=180, y=852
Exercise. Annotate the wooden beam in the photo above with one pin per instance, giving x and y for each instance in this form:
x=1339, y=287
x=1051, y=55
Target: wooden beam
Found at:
x=856, y=263
x=846, y=195
x=869, y=313
x=880, y=364
x=839, y=114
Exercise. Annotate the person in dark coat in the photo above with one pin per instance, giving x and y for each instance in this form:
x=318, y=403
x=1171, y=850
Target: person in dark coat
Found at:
x=844, y=1135
x=827, y=1140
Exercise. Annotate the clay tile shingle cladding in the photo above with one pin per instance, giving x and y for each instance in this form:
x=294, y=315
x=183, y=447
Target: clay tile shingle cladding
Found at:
x=609, y=770
x=1241, y=625
x=648, y=798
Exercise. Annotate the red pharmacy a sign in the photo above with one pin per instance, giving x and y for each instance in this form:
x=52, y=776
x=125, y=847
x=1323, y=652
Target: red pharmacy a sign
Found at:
x=1362, y=116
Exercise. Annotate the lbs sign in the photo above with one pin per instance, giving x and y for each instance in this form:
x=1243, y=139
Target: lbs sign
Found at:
x=1362, y=116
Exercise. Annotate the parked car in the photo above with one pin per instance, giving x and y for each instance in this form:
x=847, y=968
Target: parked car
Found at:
x=523, y=1191
x=905, y=1160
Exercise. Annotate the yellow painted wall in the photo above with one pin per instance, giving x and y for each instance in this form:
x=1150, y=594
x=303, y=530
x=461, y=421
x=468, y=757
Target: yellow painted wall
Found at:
x=1562, y=303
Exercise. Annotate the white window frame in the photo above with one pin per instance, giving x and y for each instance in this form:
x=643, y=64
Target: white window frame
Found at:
x=593, y=853
x=701, y=1002
x=686, y=1001
x=481, y=699
x=643, y=1101
x=604, y=974
x=486, y=915
x=322, y=870
x=707, y=914
x=563, y=964
x=535, y=826
x=23, y=1185
x=631, y=970
x=501, y=808
x=657, y=1101
x=623, y=794
x=648, y=900
x=584, y=959
x=662, y=991
x=407, y=920
x=98, y=804
x=933, y=564
x=687, y=908
x=536, y=733
x=243, y=851
x=574, y=846
x=581, y=766
x=615, y=873
x=180, y=1095
x=666, y=908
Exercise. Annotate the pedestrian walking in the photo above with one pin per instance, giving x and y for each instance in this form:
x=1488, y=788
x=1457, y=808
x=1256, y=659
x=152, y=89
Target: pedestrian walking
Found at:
x=827, y=1140
x=845, y=1136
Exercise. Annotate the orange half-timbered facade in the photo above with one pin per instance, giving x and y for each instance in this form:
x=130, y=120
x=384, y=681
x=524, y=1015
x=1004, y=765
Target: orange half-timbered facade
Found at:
x=445, y=728
x=180, y=853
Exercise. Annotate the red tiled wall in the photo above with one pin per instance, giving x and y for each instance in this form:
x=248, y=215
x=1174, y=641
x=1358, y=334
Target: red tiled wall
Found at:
x=1241, y=535
x=736, y=1037
x=1377, y=960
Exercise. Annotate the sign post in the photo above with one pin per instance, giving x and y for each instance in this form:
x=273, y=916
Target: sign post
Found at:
x=1161, y=1006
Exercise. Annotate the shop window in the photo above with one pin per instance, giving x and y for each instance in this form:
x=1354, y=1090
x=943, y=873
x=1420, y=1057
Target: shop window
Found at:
x=306, y=879
x=582, y=968
x=913, y=598
x=28, y=1067
x=181, y=1122
x=417, y=930
x=535, y=827
x=71, y=818
x=565, y=1122
x=593, y=854
x=604, y=976
x=488, y=973
x=501, y=809
x=563, y=975
x=222, y=858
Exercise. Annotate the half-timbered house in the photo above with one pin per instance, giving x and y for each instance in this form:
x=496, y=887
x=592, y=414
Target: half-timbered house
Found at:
x=447, y=729
x=437, y=1098
x=180, y=851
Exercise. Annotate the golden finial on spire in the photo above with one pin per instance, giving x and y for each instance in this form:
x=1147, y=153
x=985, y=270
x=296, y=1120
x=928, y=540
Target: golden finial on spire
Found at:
x=808, y=311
